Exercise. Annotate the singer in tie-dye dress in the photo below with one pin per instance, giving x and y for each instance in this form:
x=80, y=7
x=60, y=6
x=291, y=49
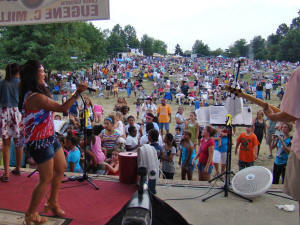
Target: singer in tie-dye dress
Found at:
x=39, y=137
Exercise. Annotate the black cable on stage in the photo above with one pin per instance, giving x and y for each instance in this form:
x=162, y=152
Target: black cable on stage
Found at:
x=74, y=186
x=191, y=198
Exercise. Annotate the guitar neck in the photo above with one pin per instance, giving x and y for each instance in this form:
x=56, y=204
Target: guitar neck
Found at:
x=258, y=101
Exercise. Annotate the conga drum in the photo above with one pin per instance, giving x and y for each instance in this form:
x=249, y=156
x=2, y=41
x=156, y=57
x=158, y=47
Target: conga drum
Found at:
x=128, y=167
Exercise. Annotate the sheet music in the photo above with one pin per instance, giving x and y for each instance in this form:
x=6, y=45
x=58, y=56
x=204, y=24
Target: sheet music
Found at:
x=217, y=115
x=203, y=115
x=58, y=124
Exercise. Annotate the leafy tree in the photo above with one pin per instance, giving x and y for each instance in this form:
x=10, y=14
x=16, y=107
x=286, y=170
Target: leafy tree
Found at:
x=147, y=45
x=217, y=52
x=54, y=44
x=131, y=38
x=117, y=30
x=228, y=52
x=290, y=46
x=159, y=47
x=273, y=47
x=258, y=47
x=282, y=30
x=200, y=48
x=187, y=53
x=178, y=50
x=115, y=45
x=240, y=48
x=296, y=22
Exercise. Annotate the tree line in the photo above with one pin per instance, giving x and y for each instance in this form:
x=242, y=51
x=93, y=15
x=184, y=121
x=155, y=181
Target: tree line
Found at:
x=71, y=46
x=283, y=45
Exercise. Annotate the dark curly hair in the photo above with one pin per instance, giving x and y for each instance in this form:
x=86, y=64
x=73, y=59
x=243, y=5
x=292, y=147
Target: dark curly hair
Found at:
x=29, y=80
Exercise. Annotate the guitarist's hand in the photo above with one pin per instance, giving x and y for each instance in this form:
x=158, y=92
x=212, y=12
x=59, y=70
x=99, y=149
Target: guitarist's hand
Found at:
x=267, y=110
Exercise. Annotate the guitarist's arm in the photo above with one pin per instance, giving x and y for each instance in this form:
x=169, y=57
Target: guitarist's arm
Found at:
x=279, y=116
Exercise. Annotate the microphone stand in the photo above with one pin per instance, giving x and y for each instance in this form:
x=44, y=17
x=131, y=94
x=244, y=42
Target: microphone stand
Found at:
x=226, y=188
x=84, y=176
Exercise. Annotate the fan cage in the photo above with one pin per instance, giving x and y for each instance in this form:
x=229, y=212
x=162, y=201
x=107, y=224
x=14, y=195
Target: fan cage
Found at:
x=252, y=181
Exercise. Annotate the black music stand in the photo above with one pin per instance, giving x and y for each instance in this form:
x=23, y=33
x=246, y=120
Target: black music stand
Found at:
x=84, y=176
x=226, y=188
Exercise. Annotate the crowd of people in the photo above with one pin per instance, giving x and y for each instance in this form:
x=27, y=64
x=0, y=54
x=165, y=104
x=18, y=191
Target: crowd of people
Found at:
x=28, y=116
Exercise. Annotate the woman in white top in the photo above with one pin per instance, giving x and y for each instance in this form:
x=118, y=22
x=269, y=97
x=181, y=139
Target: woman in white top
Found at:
x=180, y=120
x=148, y=105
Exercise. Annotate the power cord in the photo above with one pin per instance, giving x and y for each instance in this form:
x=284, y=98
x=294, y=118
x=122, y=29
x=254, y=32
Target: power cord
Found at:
x=190, y=198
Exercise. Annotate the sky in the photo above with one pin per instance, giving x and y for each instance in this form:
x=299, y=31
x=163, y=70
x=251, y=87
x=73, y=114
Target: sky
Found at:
x=218, y=23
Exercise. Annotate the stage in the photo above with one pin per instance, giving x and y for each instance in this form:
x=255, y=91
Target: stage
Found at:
x=85, y=205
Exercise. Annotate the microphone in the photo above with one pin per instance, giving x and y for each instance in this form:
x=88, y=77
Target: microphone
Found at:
x=75, y=81
x=139, y=209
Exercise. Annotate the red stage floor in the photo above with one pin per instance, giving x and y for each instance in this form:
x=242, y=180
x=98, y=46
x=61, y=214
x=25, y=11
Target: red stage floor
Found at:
x=81, y=202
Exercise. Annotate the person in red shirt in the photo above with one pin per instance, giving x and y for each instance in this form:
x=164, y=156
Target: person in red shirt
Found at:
x=205, y=154
x=247, y=143
x=216, y=82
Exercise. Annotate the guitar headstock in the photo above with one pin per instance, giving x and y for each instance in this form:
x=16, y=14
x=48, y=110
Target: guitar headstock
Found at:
x=234, y=91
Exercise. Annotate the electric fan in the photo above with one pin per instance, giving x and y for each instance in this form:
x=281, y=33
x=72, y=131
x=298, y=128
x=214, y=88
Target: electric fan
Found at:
x=252, y=181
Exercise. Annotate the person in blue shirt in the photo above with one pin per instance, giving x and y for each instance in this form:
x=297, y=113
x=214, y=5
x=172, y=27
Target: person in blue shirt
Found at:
x=74, y=155
x=55, y=92
x=187, y=156
x=283, y=145
x=74, y=109
x=128, y=88
x=197, y=103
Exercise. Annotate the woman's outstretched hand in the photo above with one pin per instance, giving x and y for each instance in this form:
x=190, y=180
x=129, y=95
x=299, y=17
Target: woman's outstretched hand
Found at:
x=82, y=86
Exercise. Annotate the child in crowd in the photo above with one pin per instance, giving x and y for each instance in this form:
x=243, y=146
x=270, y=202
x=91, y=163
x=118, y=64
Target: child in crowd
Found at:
x=178, y=138
x=186, y=157
x=95, y=153
x=220, y=153
x=205, y=154
x=167, y=157
x=119, y=125
x=247, y=143
x=112, y=165
x=98, y=110
x=283, y=145
x=109, y=136
x=132, y=142
x=116, y=88
x=74, y=155
x=138, y=104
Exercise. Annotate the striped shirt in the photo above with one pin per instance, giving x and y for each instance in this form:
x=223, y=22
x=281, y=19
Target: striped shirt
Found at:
x=109, y=141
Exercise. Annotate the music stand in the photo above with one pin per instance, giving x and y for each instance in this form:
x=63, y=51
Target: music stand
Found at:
x=226, y=188
x=84, y=176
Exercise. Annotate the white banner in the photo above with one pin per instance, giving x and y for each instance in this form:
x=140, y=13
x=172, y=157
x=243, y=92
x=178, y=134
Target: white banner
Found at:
x=22, y=12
